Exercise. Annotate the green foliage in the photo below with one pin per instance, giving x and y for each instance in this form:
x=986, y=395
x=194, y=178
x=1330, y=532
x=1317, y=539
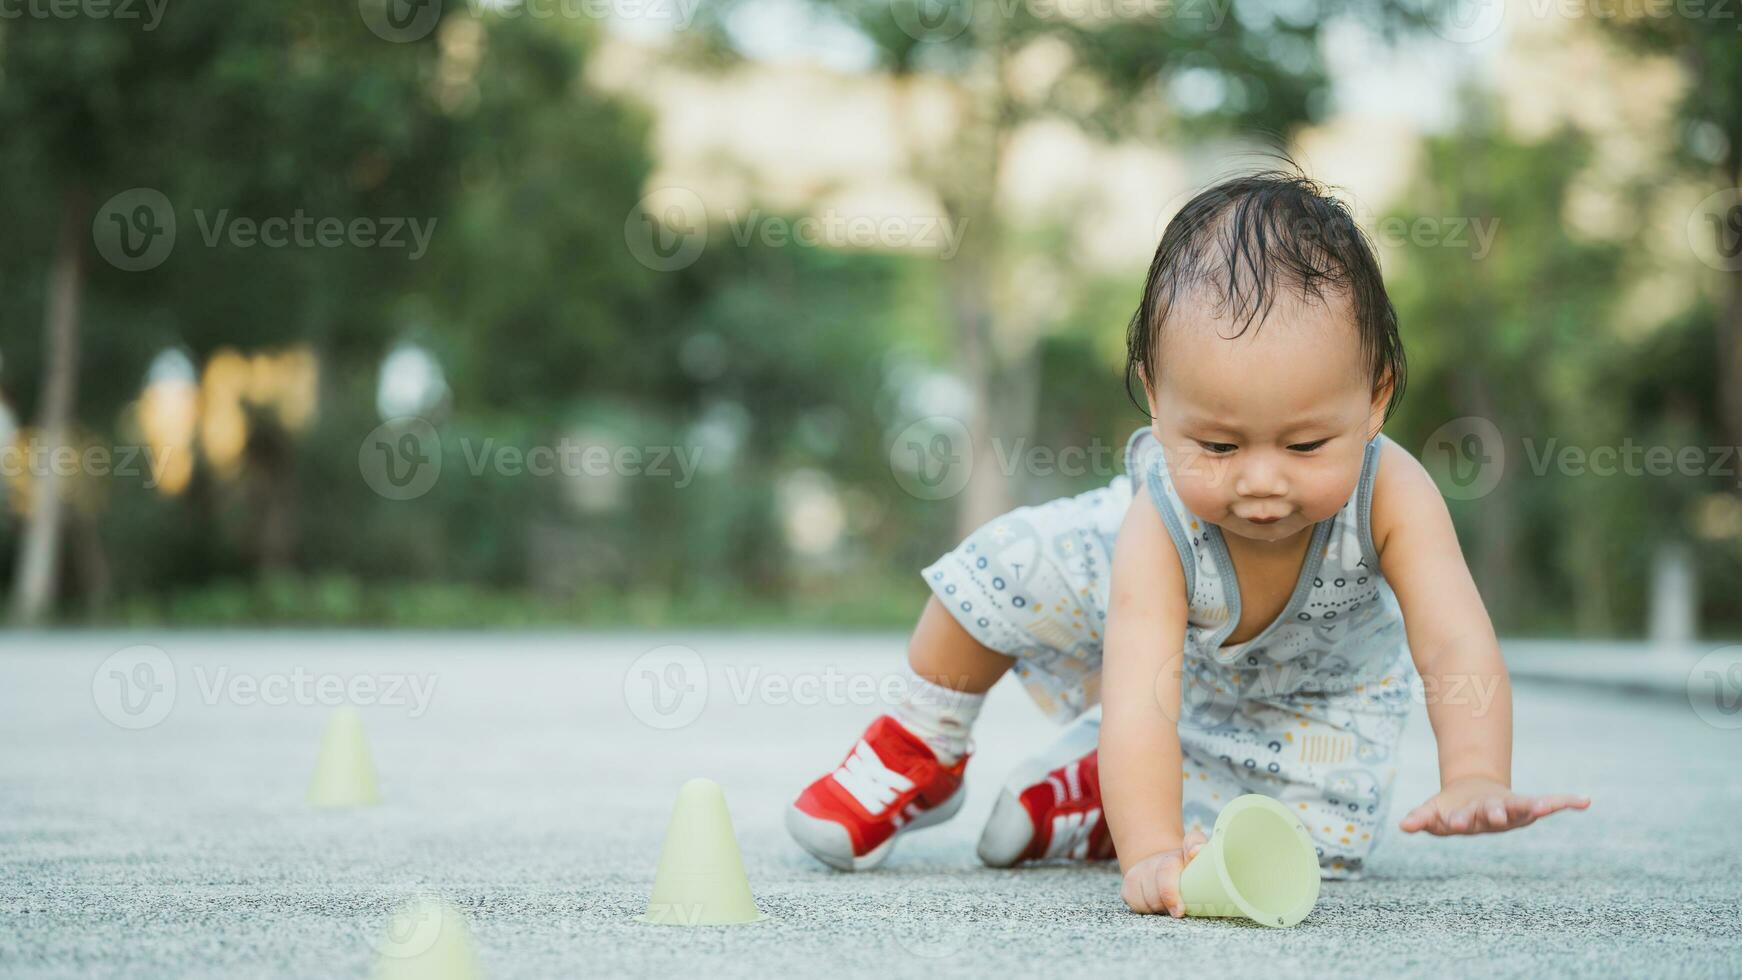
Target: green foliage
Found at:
x=1528, y=337
x=773, y=361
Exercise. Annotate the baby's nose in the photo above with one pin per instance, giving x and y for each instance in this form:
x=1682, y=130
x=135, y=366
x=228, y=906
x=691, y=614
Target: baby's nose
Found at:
x=1259, y=482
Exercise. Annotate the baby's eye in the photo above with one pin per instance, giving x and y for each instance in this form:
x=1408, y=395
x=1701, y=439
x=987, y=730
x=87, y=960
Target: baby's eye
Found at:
x=1307, y=447
x=1217, y=448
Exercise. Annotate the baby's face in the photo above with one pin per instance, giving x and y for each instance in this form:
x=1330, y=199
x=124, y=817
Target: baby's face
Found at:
x=1264, y=433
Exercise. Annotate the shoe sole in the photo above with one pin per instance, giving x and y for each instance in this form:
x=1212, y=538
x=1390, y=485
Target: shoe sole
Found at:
x=1009, y=830
x=829, y=842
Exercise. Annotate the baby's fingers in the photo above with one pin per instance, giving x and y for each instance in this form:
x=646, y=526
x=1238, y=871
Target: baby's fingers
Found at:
x=1421, y=818
x=1462, y=819
x=1170, y=897
x=1521, y=810
x=1495, y=811
x=1149, y=894
x=1132, y=893
x=1193, y=843
x=1545, y=805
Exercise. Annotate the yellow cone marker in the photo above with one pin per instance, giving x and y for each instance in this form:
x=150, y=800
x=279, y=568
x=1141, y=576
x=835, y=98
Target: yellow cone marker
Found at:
x=1260, y=863
x=427, y=939
x=344, y=774
x=701, y=879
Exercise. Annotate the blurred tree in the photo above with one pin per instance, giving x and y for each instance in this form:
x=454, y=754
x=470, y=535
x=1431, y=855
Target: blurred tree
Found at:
x=1703, y=39
x=264, y=109
x=1513, y=337
x=1673, y=394
x=282, y=110
x=1532, y=336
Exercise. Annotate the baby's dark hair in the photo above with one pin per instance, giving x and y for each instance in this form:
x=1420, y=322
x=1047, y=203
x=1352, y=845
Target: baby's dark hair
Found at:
x=1250, y=236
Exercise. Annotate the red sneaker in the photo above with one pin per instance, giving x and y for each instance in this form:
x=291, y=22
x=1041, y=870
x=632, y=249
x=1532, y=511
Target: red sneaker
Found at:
x=890, y=783
x=1043, y=815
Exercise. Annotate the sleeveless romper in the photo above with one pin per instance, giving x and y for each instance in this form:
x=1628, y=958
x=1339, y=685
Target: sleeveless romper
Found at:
x=1309, y=711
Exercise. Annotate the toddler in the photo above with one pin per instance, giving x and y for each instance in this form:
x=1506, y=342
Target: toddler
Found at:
x=1250, y=608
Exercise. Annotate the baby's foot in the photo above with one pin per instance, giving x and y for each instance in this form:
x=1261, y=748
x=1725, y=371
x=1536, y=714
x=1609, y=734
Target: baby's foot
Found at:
x=1043, y=814
x=890, y=783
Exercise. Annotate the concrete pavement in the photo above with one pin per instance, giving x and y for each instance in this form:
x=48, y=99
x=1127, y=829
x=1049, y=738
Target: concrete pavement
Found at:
x=528, y=778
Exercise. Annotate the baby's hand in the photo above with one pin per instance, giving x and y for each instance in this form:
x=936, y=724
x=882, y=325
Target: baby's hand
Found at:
x=1152, y=884
x=1482, y=806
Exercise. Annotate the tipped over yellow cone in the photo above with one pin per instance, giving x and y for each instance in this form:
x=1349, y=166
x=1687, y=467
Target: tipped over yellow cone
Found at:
x=427, y=940
x=344, y=773
x=1259, y=863
x=701, y=879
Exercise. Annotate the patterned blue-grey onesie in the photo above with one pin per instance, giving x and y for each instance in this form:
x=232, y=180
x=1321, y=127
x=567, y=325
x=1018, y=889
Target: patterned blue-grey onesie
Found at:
x=1309, y=711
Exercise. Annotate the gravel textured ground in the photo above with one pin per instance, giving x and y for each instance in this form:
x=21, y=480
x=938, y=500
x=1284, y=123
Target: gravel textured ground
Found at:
x=532, y=789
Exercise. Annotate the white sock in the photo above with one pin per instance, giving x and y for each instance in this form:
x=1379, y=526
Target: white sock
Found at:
x=942, y=717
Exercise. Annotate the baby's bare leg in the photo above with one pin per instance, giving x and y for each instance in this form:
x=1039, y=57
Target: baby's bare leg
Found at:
x=948, y=675
x=942, y=652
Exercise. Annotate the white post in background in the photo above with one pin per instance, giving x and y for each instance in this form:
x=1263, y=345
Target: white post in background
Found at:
x=1675, y=599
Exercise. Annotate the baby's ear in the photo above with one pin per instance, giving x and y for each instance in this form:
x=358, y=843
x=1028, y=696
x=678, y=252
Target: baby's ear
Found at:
x=1148, y=389
x=1381, y=398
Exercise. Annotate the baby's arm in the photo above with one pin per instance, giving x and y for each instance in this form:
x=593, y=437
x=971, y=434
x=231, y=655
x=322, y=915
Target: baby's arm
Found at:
x=1140, y=701
x=1469, y=697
